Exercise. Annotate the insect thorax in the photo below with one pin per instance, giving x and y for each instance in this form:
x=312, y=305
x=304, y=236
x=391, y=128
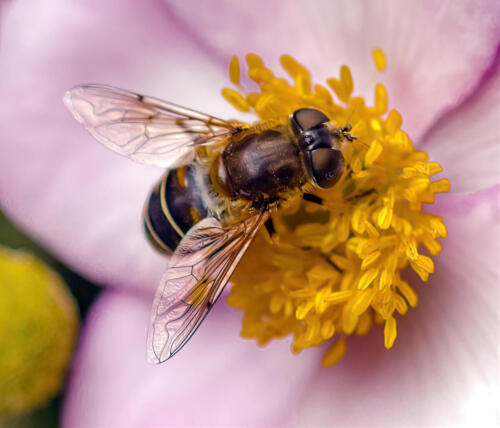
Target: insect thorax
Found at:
x=261, y=165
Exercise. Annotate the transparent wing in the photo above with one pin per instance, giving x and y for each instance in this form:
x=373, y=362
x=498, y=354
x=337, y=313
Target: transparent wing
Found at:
x=196, y=275
x=142, y=128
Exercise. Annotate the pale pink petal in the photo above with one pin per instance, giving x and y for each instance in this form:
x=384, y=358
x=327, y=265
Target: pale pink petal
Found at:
x=56, y=182
x=436, y=51
x=443, y=368
x=217, y=380
x=466, y=141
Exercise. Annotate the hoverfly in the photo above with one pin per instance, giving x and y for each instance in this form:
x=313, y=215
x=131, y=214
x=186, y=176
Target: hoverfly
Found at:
x=222, y=179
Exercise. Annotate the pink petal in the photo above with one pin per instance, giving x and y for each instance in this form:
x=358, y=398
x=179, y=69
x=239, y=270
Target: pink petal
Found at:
x=218, y=379
x=466, y=142
x=80, y=200
x=436, y=51
x=443, y=368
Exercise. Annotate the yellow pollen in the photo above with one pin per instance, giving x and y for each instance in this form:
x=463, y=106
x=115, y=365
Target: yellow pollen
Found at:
x=342, y=87
x=236, y=99
x=234, y=71
x=390, y=332
x=335, y=353
x=379, y=59
x=336, y=269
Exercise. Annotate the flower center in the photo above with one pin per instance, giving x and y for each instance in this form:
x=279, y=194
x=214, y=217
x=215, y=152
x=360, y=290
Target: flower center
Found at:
x=336, y=269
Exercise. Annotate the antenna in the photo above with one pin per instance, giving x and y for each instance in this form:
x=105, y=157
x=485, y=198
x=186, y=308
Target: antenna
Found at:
x=345, y=133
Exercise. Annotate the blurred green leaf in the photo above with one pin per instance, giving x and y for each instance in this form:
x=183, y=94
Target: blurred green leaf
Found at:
x=48, y=417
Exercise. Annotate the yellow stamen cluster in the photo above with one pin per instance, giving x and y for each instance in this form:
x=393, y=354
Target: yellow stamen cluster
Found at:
x=38, y=329
x=336, y=268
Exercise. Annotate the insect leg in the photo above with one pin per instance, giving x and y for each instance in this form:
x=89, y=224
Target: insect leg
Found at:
x=312, y=198
x=270, y=228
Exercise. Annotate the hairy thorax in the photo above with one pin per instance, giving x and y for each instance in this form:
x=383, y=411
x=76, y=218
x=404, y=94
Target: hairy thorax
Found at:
x=260, y=166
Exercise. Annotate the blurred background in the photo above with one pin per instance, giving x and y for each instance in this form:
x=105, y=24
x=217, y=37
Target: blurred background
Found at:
x=45, y=415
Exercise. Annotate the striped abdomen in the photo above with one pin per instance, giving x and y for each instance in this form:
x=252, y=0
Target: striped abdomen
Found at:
x=174, y=205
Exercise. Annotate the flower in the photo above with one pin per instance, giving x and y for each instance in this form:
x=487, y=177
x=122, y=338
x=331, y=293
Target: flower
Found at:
x=337, y=269
x=84, y=204
x=39, y=321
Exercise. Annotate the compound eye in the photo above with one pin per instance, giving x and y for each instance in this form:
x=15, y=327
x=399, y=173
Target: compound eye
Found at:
x=307, y=118
x=327, y=166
